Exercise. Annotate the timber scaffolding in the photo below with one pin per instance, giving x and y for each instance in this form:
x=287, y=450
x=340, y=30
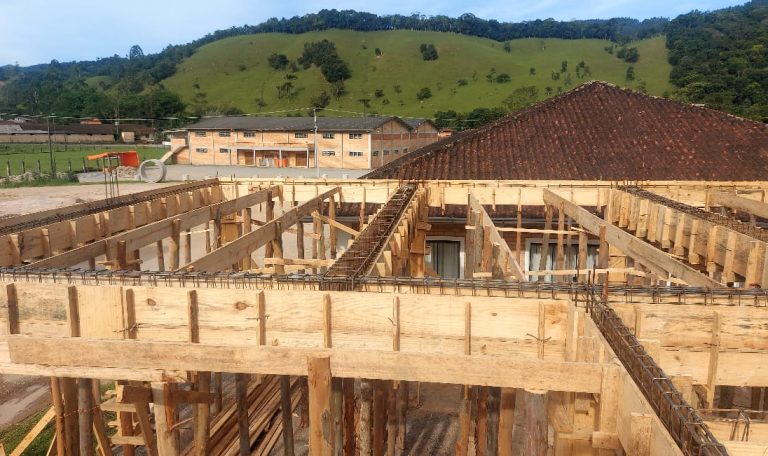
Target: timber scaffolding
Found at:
x=677, y=306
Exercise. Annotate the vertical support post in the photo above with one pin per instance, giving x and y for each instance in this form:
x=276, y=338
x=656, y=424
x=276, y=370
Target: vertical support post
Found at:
x=545, y=241
x=69, y=385
x=560, y=254
x=241, y=397
x=160, y=255
x=380, y=393
x=506, y=421
x=481, y=421
x=85, y=416
x=714, y=354
x=494, y=407
x=201, y=412
x=175, y=243
x=362, y=212
x=366, y=412
x=167, y=444
x=188, y=246
x=348, y=391
x=320, y=418
x=58, y=408
x=287, y=415
x=332, y=216
x=269, y=216
x=465, y=409
x=530, y=433
x=277, y=247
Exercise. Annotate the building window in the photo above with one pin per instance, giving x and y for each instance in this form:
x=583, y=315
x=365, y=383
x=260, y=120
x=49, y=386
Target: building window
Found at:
x=249, y=134
x=405, y=150
x=300, y=135
x=355, y=153
x=200, y=134
x=224, y=150
x=328, y=153
x=202, y=150
x=375, y=153
x=224, y=134
x=386, y=152
x=329, y=135
x=355, y=136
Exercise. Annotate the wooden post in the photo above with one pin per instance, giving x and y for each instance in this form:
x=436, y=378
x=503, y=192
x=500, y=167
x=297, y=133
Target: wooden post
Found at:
x=69, y=386
x=188, y=246
x=348, y=391
x=560, y=254
x=545, y=241
x=494, y=406
x=85, y=416
x=506, y=421
x=207, y=237
x=366, y=412
x=277, y=247
x=300, y=242
x=380, y=393
x=201, y=412
x=714, y=355
x=58, y=408
x=269, y=216
x=362, y=212
x=241, y=393
x=287, y=415
x=160, y=255
x=320, y=419
x=167, y=444
x=481, y=421
x=392, y=398
x=175, y=243
x=332, y=216
x=530, y=433
x=465, y=409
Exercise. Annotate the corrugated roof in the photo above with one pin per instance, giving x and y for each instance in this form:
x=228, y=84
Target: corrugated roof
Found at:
x=597, y=132
x=293, y=123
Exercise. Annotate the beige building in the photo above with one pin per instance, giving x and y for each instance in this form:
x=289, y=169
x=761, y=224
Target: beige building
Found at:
x=341, y=142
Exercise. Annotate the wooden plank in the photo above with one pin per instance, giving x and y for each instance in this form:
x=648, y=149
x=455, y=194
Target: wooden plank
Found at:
x=286, y=412
x=734, y=201
x=637, y=249
x=510, y=372
x=167, y=445
x=507, y=257
x=225, y=256
x=335, y=224
x=241, y=391
x=33, y=433
x=320, y=419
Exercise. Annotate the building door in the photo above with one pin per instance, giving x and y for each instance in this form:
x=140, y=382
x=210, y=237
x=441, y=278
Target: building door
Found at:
x=245, y=157
x=301, y=159
x=445, y=258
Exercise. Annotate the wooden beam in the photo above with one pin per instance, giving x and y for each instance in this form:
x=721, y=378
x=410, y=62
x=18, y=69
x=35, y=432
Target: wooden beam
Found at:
x=151, y=233
x=734, y=201
x=510, y=372
x=634, y=247
x=225, y=256
x=335, y=224
x=33, y=433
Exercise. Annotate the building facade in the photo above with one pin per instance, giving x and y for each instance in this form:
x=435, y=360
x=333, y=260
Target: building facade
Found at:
x=352, y=142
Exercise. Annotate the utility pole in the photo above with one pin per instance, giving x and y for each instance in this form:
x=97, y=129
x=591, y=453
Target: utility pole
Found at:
x=317, y=162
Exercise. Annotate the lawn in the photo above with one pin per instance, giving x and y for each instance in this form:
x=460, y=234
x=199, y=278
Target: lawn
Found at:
x=27, y=156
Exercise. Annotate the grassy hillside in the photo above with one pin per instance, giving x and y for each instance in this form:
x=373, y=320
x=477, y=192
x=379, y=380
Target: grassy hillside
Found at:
x=234, y=71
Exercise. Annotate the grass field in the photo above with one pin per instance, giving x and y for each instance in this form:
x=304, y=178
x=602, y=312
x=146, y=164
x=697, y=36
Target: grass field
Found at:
x=14, y=154
x=13, y=435
x=234, y=71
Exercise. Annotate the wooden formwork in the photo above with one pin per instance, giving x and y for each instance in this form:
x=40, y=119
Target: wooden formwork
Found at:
x=524, y=349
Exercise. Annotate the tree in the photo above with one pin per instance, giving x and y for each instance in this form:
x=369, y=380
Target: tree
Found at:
x=563, y=66
x=378, y=93
x=377, y=51
x=507, y=46
x=397, y=88
x=278, y=61
x=428, y=51
x=135, y=52
x=532, y=71
x=521, y=97
x=321, y=101
x=461, y=82
x=502, y=78
x=424, y=93
x=630, y=73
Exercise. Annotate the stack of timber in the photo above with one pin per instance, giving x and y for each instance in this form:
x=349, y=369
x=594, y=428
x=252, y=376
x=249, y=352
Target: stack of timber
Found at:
x=264, y=419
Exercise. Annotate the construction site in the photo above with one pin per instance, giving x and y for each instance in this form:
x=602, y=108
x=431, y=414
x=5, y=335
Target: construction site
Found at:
x=313, y=316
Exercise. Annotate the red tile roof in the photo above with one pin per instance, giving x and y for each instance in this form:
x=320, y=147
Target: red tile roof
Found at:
x=597, y=132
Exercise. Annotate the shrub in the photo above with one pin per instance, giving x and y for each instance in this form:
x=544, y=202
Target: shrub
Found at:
x=424, y=93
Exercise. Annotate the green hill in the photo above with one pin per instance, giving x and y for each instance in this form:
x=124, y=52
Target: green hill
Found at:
x=234, y=71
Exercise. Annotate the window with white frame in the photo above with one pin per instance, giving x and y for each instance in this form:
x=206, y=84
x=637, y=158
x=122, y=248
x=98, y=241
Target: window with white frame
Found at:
x=355, y=153
x=300, y=135
x=355, y=136
x=570, y=258
x=328, y=135
x=249, y=134
x=328, y=153
x=224, y=134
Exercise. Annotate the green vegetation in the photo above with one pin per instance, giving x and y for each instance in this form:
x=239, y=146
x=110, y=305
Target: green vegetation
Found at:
x=13, y=154
x=454, y=79
x=13, y=435
x=428, y=51
x=721, y=58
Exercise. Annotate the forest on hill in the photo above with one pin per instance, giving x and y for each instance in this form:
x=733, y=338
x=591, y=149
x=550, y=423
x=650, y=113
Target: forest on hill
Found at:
x=717, y=58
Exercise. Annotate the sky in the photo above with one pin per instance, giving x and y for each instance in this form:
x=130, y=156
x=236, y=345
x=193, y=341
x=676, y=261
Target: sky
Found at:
x=37, y=31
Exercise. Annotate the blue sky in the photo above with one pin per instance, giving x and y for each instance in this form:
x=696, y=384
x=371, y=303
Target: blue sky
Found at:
x=36, y=31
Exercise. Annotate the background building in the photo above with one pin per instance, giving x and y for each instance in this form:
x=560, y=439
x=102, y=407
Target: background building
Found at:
x=342, y=142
